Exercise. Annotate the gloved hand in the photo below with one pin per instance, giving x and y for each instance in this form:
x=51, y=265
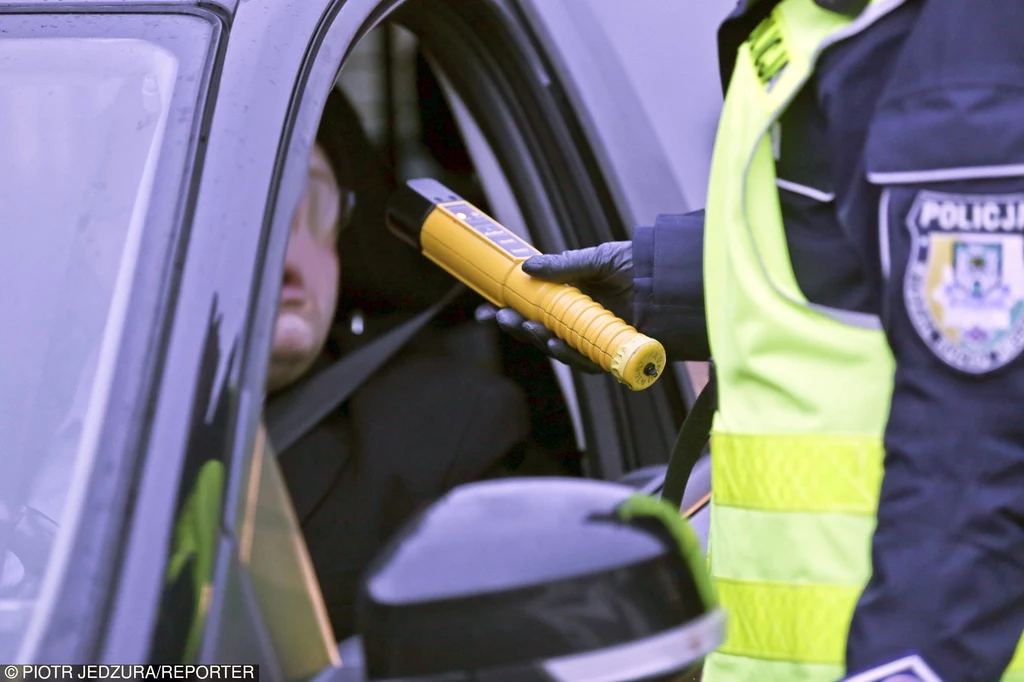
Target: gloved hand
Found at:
x=603, y=272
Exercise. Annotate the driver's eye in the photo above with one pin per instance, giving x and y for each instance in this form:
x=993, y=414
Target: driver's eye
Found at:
x=323, y=209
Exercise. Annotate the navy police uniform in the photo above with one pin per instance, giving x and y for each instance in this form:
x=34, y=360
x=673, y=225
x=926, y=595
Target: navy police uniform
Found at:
x=903, y=153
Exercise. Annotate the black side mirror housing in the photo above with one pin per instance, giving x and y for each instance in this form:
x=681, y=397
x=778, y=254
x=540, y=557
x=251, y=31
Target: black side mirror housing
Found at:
x=541, y=579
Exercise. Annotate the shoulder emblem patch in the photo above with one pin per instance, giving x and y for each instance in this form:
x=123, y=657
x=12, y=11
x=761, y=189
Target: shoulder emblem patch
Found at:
x=964, y=287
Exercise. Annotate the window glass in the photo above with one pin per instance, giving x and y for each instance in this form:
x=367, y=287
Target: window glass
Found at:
x=83, y=123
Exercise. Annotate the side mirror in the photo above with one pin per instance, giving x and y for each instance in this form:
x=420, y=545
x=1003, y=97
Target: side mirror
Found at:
x=548, y=579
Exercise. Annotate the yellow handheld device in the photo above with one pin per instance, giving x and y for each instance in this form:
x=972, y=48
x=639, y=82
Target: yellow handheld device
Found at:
x=488, y=257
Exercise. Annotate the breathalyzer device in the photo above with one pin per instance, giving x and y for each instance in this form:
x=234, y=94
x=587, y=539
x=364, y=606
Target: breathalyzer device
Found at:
x=488, y=258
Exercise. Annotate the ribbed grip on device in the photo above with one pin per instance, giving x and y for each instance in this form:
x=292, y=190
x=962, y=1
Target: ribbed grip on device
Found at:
x=634, y=359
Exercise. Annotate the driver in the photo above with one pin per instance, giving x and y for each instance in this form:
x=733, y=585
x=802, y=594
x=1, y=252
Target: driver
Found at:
x=424, y=423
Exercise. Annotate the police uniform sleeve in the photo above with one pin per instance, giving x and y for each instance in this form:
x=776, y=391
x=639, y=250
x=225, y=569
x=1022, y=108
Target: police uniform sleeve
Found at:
x=668, y=284
x=945, y=157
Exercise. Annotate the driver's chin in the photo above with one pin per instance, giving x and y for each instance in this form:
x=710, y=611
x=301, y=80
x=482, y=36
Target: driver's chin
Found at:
x=293, y=334
x=296, y=345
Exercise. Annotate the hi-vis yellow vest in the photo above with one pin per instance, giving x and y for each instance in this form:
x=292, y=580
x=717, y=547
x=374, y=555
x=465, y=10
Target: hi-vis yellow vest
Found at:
x=803, y=390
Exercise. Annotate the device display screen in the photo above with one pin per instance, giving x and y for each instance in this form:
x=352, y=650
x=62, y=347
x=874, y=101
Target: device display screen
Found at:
x=487, y=227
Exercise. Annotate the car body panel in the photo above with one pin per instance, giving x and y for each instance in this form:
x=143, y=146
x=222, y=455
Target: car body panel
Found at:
x=268, y=86
x=643, y=76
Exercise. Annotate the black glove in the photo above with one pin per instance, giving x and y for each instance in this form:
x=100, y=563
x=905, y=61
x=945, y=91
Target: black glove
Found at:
x=603, y=272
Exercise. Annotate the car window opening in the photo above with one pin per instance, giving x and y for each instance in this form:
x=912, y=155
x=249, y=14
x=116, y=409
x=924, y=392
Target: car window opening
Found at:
x=461, y=401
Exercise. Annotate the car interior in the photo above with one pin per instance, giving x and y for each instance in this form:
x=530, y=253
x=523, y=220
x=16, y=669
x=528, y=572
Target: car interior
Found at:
x=412, y=132
x=413, y=123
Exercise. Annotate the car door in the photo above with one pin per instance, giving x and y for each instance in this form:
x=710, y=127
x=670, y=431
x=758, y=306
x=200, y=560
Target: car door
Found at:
x=537, y=166
x=281, y=61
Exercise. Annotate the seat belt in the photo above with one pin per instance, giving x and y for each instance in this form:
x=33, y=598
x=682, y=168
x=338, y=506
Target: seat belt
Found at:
x=292, y=414
x=693, y=436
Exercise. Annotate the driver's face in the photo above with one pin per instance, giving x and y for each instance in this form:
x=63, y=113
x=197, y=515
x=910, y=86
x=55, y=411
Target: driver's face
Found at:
x=310, y=289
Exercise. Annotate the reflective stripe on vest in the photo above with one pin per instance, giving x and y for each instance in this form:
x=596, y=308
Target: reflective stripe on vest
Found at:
x=803, y=391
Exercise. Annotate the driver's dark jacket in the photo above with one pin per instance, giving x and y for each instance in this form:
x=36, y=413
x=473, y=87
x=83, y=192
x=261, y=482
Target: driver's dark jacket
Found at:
x=424, y=423
x=934, y=85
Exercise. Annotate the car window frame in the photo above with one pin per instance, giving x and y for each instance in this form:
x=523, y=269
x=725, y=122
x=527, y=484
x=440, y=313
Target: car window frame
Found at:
x=625, y=430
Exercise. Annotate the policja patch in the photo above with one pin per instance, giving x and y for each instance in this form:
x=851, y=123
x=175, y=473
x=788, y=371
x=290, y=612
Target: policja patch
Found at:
x=964, y=286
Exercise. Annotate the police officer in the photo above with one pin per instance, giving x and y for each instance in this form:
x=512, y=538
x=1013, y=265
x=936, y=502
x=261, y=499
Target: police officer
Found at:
x=863, y=275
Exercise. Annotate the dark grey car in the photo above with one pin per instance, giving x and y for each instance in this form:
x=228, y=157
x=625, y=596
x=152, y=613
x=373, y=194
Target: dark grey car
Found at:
x=151, y=155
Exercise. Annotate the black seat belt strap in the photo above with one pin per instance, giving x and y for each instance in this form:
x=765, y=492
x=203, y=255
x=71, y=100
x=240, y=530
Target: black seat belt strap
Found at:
x=694, y=435
x=291, y=415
